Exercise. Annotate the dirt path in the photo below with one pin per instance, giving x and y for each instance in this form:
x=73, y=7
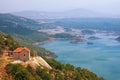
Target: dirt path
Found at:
x=3, y=63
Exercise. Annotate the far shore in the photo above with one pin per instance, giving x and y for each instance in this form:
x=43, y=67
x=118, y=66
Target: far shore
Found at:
x=43, y=42
x=50, y=40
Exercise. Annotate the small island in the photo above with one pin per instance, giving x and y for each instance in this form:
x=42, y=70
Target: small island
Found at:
x=93, y=38
x=118, y=39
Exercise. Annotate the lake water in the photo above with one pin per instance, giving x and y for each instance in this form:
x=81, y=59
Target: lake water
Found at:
x=102, y=58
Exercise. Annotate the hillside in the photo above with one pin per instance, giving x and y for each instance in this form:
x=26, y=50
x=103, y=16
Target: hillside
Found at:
x=15, y=22
x=59, y=71
x=46, y=69
x=7, y=40
x=24, y=31
x=56, y=71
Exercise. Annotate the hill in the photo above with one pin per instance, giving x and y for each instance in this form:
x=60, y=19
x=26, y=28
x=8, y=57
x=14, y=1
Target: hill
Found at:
x=59, y=71
x=24, y=31
x=17, y=23
x=7, y=40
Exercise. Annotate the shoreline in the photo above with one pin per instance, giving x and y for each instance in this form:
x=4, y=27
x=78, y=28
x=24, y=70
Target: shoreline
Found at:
x=43, y=42
x=50, y=40
x=96, y=31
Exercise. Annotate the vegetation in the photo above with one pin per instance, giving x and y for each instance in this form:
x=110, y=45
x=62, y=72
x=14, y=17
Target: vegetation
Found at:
x=13, y=21
x=23, y=31
x=63, y=35
x=69, y=72
x=43, y=73
x=28, y=41
x=17, y=71
x=7, y=40
x=59, y=72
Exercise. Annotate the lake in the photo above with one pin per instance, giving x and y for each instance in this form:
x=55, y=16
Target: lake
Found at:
x=102, y=57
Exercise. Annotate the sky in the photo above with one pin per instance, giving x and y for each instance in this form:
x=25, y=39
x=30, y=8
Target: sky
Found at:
x=103, y=6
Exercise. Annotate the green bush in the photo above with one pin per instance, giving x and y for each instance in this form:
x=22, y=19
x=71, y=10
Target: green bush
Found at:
x=31, y=70
x=43, y=74
x=59, y=72
x=17, y=71
x=21, y=75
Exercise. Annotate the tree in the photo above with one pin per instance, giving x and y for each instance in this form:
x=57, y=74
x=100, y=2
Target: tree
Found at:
x=21, y=75
x=17, y=71
x=31, y=70
x=43, y=74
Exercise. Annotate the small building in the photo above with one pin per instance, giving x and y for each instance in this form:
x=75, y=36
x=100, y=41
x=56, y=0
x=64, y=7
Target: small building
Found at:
x=21, y=53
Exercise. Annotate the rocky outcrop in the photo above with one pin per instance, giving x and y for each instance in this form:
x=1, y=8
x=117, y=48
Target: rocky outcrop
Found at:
x=34, y=62
x=40, y=61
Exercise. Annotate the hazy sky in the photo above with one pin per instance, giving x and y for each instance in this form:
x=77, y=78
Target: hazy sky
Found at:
x=104, y=6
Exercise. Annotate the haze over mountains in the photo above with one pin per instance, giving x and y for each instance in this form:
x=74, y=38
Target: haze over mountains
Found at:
x=74, y=13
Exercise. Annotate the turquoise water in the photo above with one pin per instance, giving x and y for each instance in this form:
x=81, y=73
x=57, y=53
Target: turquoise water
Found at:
x=102, y=58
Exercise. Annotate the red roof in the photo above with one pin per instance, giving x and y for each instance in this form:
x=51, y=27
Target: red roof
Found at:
x=21, y=48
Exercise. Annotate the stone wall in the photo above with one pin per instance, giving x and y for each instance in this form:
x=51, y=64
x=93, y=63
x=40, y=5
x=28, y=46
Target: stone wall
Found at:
x=23, y=55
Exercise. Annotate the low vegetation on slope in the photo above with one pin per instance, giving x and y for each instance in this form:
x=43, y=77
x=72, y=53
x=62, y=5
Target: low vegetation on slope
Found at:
x=7, y=40
x=59, y=72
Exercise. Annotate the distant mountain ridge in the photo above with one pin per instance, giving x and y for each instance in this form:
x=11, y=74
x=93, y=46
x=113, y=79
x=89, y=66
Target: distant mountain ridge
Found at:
x=74, y=13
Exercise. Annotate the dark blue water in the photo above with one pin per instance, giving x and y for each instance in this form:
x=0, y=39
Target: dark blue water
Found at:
x=102, y=58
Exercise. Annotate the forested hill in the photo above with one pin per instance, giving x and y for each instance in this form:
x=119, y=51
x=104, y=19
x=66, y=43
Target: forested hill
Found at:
x=23, y=31
x=14, y=24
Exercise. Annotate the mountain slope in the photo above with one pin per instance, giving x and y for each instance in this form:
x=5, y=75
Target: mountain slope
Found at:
x=59, y=71
x=7, y=40
x=14, y=24
x=23, y=30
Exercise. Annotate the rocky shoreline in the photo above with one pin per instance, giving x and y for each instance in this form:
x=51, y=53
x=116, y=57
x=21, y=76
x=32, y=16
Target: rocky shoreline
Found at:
x=43, y=42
